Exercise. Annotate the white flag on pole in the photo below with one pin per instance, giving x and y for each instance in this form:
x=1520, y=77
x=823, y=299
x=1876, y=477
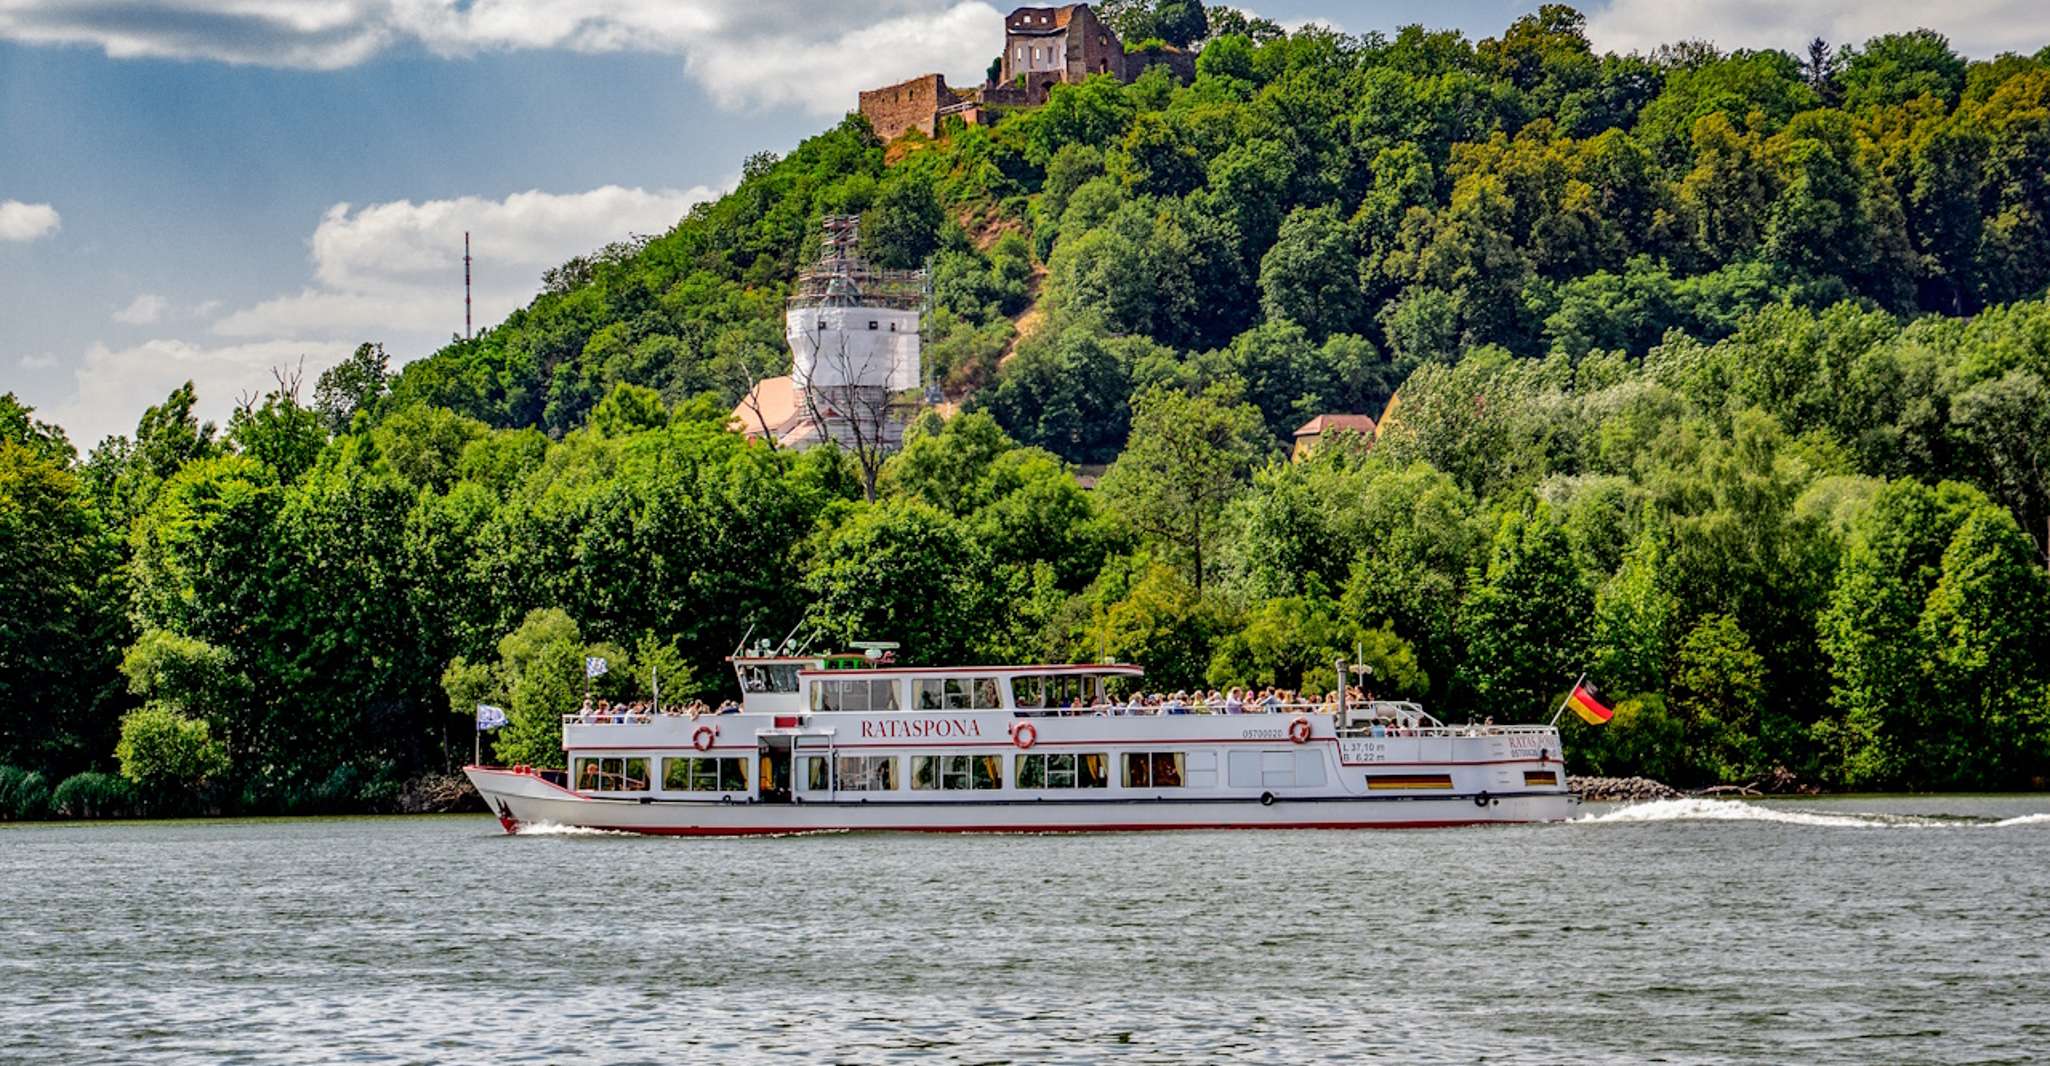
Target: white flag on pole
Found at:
x=594, y=666
x=489, y=717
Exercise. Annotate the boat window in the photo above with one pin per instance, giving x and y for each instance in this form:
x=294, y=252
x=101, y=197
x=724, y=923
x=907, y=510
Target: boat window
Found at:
x=866, y=773
x=769, y=677
x=1154, y=769
x=1053, y=690
x=604, y=774
x=814, y=774
x=704, y=774
x=1064, y=770
x=858, y=694
x=957, y=772
x=958, y=694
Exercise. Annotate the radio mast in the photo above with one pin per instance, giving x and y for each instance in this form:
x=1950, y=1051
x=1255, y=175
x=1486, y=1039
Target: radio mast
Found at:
x=466, y=285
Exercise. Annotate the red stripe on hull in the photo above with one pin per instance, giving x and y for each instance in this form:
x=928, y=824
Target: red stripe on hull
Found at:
x=1110, y=827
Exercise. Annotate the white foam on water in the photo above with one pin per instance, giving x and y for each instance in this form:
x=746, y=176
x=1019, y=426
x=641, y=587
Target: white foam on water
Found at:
x=550, y=829
x=1697, y=809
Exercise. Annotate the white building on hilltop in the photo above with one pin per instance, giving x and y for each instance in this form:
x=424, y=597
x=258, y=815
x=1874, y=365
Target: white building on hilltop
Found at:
x=854, y=353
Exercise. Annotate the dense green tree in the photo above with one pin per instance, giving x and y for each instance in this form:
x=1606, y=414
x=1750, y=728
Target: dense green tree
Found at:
x=1718, y=687
x=63, y=620
x=1986, y=625
x=902, y=571
x=1897, y=67
x=903, y=228
x=1311, y=275
x=1189, y=455
x=354, y=384
x=168, y=754
x=1524, y=619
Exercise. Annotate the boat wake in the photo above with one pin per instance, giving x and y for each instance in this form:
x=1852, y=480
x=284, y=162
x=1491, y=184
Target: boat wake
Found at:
x=1724, y=810
x=550, y=829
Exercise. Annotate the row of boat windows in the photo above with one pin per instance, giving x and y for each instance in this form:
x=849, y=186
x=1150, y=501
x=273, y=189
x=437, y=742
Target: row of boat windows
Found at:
x=953, y=693
x=965, y=773
x=1063, y=770
x=930, y=694
x=687, y=774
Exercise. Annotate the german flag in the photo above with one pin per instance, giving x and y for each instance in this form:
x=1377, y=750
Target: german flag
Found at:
x=1587, y=707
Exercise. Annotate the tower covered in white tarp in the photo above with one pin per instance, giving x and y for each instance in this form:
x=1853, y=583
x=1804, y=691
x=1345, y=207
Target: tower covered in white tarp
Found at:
x=854, y=344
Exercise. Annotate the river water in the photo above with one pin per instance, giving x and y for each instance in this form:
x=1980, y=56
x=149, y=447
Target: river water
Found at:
x=1869, y=930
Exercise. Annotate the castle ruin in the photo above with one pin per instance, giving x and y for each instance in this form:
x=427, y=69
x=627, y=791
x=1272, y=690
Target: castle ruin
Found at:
x=1043, y=47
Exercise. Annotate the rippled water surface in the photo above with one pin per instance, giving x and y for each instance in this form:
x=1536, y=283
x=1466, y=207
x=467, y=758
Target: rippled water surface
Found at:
x=1874, y=930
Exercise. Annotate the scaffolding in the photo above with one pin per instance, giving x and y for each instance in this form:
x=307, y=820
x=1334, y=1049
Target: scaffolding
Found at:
x=840, y=277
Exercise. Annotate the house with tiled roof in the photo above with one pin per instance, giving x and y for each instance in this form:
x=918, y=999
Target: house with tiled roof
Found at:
x=1324, y=427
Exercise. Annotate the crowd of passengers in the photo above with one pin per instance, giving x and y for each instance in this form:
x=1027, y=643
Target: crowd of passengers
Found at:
x=1389, y=722
x=605, y=711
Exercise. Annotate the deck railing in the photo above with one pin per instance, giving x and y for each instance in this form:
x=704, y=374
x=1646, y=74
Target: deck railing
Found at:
x=1392, y=719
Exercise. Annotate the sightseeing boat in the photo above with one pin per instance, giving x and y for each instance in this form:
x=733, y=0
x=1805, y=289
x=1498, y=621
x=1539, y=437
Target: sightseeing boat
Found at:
x=853, y=743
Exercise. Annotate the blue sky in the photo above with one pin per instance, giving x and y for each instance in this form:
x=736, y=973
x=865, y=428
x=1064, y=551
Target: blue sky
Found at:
x=192, y=189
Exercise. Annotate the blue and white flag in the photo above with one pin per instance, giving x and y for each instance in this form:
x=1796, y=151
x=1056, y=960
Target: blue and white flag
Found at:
x=489, y=717
x=594, y=666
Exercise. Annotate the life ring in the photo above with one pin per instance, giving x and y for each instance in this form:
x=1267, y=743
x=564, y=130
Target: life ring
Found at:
x=1481, y=800
x=702, y=738
x=1024, y=735
x=1299, y=730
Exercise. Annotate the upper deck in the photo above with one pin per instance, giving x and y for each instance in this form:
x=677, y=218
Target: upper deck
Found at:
x=792, y=684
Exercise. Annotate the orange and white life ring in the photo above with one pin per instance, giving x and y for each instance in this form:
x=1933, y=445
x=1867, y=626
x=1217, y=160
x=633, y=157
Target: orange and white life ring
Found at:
x=702, y=738
x=1299, y=730
x=1024, y=734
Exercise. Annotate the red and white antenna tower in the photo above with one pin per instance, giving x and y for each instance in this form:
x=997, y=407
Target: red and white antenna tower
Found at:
x=466, y=285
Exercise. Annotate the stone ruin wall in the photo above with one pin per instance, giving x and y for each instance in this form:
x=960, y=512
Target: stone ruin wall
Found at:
x=908, y=105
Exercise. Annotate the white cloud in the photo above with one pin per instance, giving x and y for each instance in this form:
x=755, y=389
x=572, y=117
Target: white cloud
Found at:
x=114, y=385
x=143, y=310
x=27, y=222
x=823, y=73
x=744, y=51
x=388, y=272
x=1975, y=27
x=397, y=268
x=39, y=361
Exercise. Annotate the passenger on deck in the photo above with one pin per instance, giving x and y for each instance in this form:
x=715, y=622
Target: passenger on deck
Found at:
x=727, y=706
x=1269, y=702
x=1233, y=702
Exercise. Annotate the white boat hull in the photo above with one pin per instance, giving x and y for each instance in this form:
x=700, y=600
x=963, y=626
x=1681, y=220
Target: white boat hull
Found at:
x=521, y=799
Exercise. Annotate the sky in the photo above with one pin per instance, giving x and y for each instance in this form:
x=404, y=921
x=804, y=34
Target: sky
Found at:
x=214, y=190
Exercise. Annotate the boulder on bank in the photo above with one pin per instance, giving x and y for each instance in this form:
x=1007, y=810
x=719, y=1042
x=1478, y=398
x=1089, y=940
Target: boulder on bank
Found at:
x=439, y=794
x=1620, y=789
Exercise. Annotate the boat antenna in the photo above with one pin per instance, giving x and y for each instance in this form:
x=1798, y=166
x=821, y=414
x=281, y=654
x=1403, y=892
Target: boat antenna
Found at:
x=784, y=644
x=742, y=649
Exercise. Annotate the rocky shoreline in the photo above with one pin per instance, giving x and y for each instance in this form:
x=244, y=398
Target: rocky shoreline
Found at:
x=439, y=794
x=1621, y=789
x=1780, y=782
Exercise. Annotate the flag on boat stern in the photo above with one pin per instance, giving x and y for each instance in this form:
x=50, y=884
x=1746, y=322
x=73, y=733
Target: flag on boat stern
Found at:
x=489, y=717
x=1587, y=707
x=594, y=666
